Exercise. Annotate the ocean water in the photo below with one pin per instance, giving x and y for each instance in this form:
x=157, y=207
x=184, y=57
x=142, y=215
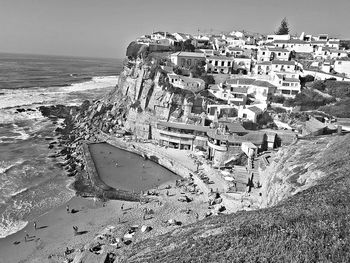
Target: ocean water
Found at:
x=31, y=182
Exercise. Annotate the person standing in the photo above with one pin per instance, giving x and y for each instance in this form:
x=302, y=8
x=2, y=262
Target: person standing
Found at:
x=34, y=225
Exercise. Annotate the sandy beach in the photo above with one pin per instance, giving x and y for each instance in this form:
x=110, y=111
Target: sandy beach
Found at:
x=54, y=233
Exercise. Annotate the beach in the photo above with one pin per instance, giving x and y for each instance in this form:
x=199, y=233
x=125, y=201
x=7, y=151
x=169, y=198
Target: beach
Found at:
x=55, y=234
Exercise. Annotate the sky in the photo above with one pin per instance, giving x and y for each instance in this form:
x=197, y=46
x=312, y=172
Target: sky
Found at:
x=104, y=28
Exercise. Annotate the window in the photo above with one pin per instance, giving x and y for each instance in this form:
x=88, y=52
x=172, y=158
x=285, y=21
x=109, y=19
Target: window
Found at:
x=229, y=63
x=287, y=92
x=216, y=63
x=189, y=62
x=285, y=84
x=279, y=54
x=210, y=61
x=222, y=63
x=183, y=62
x=263, y=53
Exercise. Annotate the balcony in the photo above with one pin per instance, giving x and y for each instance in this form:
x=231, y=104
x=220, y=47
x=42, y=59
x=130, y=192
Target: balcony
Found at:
x=175, y=140
x=217, y=147
x=177, y=134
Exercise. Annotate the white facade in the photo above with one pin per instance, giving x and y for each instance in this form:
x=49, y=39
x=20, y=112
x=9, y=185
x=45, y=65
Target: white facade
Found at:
x=230, y=93
x=342, y=66
x=296, y=45
x=188, y=83
x=249, y=113
x=219, y=64
x=271, y=38
x=272, y=53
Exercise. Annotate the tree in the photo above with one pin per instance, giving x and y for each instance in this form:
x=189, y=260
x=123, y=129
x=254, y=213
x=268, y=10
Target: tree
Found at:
x=284, y=28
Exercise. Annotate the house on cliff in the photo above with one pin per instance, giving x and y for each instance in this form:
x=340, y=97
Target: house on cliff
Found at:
x=188, y=83
x=187, y=59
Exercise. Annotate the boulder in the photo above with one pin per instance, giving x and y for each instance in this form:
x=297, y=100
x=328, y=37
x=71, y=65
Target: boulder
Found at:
x=145, y=228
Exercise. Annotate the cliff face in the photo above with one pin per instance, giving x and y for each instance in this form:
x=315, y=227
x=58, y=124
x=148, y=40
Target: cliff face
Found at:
x=141, y=98
x=298, y=167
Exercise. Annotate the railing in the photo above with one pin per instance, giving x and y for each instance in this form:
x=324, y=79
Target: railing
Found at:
x=176, y=134
x=217, y=147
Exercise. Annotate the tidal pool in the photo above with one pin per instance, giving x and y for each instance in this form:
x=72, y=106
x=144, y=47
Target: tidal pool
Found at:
x=128, y=171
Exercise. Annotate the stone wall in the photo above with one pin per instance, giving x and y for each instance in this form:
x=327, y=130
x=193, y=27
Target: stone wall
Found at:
x=101, y=189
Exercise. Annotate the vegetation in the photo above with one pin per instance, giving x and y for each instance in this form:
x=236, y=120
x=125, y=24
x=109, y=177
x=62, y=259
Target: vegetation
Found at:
x=306, y=79
x=278, y=99
x=208, y=79
x=308, y=99
x=311, y=226
x=284, y=28
x=338, y=89
x=340, y=109
x=135, y=50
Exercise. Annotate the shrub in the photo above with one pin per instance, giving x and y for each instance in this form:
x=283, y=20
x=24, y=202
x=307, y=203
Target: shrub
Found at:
x=278, y=99
x=340, y=109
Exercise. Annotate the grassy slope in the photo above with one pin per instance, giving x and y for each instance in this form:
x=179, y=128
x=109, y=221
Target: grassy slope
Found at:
x=311, y=226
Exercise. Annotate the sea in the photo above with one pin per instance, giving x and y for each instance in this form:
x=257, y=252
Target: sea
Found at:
x=32, y=183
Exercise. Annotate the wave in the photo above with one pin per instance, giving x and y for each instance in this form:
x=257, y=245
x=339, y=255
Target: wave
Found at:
x=12, y=98
x=9, y=227
x=5, y=166
x=18, y=192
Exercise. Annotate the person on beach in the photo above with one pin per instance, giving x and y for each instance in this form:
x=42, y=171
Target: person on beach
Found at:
x=122, y=207
x=75, y=228
x=34, y=225
x=67, y=208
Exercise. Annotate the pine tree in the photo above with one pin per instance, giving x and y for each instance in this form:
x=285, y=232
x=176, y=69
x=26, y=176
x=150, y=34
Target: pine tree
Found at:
x=284, y=28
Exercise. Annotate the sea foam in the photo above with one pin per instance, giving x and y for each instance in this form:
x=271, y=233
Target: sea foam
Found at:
x=8, y=227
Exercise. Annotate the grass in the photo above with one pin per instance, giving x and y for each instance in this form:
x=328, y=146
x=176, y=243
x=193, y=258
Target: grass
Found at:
x=311, y=226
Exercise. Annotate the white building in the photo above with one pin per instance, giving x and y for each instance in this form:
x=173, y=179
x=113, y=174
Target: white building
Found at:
x=261, y=90
x=193, y=84
x=342, y=66
x=271, y=38
x=219, y=64
x=187, y=59
x=272, y=53
x=296, y=45
x=287, y=86
x=250, y=113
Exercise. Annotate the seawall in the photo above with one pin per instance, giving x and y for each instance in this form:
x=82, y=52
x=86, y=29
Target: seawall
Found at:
x=101, y=189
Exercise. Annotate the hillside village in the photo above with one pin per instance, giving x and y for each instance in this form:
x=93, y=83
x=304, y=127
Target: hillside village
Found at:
x=243, y=95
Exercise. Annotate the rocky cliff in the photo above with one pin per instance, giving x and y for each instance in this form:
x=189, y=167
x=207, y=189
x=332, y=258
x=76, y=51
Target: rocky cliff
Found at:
x=142, y=97
x=299, y=167
x=305, y=188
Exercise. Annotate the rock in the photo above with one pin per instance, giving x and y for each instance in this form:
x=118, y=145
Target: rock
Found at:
x=145, y=228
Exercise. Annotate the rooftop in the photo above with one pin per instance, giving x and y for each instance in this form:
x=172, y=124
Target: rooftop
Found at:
x=281, y=62
x=291, y=41
x=189, y=54
x=184, y=126
x=255, y=109
x=254, y=137
x=247, y=81
x=242, y=90
x=278, y=49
